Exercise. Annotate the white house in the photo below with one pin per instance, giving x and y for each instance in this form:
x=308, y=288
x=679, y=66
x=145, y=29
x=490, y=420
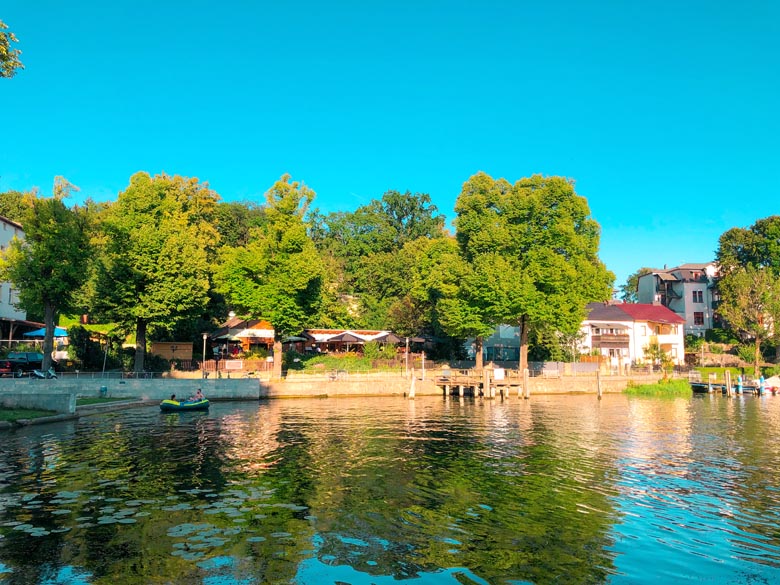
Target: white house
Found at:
x=622, y=332
x=688, y=290
x=9, y=314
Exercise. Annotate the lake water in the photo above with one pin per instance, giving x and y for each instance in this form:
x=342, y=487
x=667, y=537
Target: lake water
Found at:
x=564, y=489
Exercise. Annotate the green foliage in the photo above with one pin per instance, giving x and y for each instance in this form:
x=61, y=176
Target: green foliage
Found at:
x=347, y=362
x=693, y=342
x=157, y=242
x=82, y=349
x=49, y=266
x=532, y=254
x=278, y=274
x=718, y=335
x=9, y=57
x=372, y=350
x=664, y=388
x=14, y=204
x=628, y=291
x=751, y=304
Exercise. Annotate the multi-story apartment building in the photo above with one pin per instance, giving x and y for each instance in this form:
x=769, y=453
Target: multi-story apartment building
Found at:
x=9, y=314
x=688, y=290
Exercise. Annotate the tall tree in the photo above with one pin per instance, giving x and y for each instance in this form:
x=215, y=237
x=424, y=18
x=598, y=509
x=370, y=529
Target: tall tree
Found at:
x=278, y=274
x=154, y=268
x=629, y=292
x=547, y=243
x=750, y=303
x=758, y=247
x=49, y=266
x=9, y=57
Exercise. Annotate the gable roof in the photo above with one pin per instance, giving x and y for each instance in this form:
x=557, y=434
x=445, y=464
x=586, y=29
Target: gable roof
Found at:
x=654, y=313
x=632, y=312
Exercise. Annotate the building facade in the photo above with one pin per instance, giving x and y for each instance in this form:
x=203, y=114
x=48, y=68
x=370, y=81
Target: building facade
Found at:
x=8, y=296
x=622, y=333
x=688, y=290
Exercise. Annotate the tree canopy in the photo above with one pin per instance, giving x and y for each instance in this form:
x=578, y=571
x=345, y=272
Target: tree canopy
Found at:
x=9, y=57
x=49, y=266
x=278, y=274
x=154, y=266
x=629, y=291
x=535, y=247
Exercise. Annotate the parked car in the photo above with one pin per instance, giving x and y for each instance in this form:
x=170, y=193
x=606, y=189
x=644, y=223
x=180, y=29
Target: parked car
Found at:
x=19, y=363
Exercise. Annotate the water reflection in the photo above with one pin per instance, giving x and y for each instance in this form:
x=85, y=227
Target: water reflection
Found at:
x=556, y=489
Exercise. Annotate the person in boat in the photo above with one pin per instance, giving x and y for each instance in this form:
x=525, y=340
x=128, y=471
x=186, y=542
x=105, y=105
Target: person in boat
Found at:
x=197, y=397
x=739, y=384
x=173, y=397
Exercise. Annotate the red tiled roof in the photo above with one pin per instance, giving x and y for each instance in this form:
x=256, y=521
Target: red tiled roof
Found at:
x=647, y=312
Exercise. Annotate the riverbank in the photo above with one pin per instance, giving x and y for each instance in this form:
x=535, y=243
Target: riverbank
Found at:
x=60, y=395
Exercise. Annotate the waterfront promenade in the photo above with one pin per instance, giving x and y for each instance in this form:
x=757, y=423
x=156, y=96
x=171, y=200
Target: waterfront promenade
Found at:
x=60, y=395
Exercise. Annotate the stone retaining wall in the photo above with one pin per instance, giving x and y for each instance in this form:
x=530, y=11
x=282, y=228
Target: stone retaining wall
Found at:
x=58, y=394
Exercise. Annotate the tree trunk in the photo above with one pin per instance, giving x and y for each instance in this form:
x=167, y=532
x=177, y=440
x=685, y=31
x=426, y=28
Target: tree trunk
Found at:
x=523, y=364
x=478, y=361
x=757, y=359
x=277, y=359
x=140, y=345
x=48, y=337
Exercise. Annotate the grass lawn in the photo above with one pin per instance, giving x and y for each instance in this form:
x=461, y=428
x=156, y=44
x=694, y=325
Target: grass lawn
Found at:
x=662, y=388
x=15, y=414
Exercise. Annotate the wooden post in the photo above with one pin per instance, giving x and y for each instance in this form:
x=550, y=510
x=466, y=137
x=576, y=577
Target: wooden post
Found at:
x=411, y=386
x=486, y=383
x=598, y=383
x=728, y=383
x=526, y=386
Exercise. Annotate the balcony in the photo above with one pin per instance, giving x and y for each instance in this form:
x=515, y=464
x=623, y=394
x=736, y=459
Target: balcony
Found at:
x=610, y=341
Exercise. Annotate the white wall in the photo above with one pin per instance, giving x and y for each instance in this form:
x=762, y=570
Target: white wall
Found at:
x=7, y=294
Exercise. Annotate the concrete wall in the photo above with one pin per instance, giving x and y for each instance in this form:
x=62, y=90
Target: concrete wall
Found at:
x=60, y=402
x=144, y=389
x=60, y=395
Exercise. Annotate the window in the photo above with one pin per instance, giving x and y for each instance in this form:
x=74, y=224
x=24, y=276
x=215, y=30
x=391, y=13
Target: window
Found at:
x=698, y=318
x=698, y=296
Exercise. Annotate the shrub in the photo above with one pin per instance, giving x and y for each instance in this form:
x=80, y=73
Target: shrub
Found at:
x=664, y=388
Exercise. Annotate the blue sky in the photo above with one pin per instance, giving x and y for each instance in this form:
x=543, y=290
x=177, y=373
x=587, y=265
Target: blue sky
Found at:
x=664, y=113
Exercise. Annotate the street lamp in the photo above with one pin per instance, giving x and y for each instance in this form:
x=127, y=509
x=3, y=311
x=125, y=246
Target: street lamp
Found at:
x=203, y=363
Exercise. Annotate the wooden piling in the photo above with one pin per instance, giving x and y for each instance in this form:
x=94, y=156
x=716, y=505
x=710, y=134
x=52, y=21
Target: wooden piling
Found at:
x=728, y=383
x=411, y=386
x=598, y=383
x=486, y=383
x=526, y=386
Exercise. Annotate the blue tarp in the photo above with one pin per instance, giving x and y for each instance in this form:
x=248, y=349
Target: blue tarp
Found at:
x=58, y=332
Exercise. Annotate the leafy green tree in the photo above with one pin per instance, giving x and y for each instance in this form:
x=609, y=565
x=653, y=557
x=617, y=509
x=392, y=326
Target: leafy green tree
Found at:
x=154, y=268
x=629, y=290
x=49, y=266
x=235, y=220
x=750, y=303
x=278, y=274
x=14, y=204
x=367, y=247
x=9, y=57
x=757, y=246
x=535, y=247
